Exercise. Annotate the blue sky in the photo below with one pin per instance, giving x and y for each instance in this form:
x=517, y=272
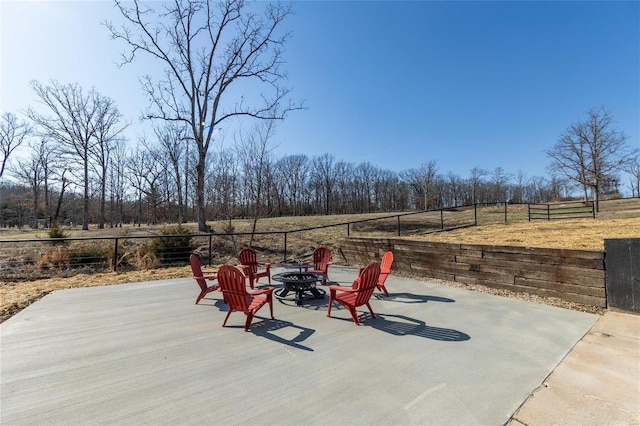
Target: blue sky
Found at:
x=398, y=84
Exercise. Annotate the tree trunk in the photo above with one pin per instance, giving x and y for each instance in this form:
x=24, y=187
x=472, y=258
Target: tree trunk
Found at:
x=85, y=201
x=200, y=194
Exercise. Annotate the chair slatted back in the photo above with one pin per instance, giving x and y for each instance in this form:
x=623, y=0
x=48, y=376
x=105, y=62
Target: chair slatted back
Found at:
x=249, y=258
x=321, y=258
x=233, y=286
x=385, y=266
x=197, y=271
x=366, y=283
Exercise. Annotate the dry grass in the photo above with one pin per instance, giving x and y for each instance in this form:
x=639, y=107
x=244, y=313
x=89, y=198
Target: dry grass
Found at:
x=588, y=234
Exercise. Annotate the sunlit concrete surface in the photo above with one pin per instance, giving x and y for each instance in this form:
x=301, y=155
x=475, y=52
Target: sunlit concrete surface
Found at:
x=144, y=353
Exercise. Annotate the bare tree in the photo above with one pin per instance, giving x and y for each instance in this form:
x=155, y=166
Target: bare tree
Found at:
x=208, y=50
x=294, y=171
x=592, y=152
x=29, y=170
x=345, y=194
x=108, y=131
x=633, y=168
x=116, y=184
x=422, y=180
x=455, y=189
x=80, y=122
x=500, y=183
x=173, y=144
x=254, y=149
x=12, y=133
x=146, y=168
x=475, y=180
x=136, y=166
x=225, y=183
x=323, y=180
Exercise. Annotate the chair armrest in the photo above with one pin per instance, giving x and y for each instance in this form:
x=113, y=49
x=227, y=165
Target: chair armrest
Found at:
x=265, y=290
x=340, y=288
x=207, y=277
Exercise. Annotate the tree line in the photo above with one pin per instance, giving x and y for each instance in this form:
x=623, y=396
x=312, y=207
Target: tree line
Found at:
x=104, y=183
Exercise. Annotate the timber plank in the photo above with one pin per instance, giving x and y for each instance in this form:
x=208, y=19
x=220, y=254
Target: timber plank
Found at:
x=568, y=288
x=568, y=271
x=584, y=254
x=550, y=260
x=553, y=276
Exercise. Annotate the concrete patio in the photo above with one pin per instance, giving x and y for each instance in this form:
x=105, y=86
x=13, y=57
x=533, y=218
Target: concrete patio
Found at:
x=144, y=353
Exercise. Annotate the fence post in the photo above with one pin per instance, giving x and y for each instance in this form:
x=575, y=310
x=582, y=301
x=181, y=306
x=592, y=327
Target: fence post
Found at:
x=548, y=212
x=475, y=214
x=285, y=247
x=441, y=219
x=210, y=248
x=115, y=256
x=505, y=212
x=529, y=211
x=398, y=225
x=348, y=230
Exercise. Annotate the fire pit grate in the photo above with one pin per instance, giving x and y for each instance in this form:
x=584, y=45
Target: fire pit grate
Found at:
x=300, y=283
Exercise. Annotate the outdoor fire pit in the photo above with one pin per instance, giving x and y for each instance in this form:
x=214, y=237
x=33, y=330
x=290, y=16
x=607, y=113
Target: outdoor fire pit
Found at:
x=300, y=283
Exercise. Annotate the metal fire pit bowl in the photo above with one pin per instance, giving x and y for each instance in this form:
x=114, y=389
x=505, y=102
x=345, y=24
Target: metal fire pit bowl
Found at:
x=302, y=283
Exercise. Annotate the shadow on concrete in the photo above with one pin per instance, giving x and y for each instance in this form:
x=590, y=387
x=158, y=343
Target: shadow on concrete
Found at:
x=413, y=327
x=411, y=298
x=270, y=329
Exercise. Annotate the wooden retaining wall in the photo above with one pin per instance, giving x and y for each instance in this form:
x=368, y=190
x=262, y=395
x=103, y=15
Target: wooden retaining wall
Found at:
x=571, y=275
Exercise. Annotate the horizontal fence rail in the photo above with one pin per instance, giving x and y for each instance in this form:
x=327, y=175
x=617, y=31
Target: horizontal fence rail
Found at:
x=569, y=210
x=36, y=258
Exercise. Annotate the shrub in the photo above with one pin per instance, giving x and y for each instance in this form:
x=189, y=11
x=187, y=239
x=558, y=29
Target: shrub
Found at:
x=175, y=244
x=56, y=232
x=93, y=254
x=56, y=257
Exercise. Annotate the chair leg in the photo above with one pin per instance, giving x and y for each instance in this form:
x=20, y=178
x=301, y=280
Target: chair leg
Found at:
x=270, y=301
x=227, y=317
x=332, y=294
x=247, y=323
x=202, y=294
x=382, y=288
x=370, y=310
x=354, y=315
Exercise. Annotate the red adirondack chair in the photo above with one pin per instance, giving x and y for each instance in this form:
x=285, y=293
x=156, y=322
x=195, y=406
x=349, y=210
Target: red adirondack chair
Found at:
x=385, y=270
x=201, y=278
x=359, y=294
x=321, y=262
x=249, y=262
x=233, y=287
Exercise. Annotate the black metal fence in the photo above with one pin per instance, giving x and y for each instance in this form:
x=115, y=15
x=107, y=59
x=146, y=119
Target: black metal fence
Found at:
x=27, y=259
